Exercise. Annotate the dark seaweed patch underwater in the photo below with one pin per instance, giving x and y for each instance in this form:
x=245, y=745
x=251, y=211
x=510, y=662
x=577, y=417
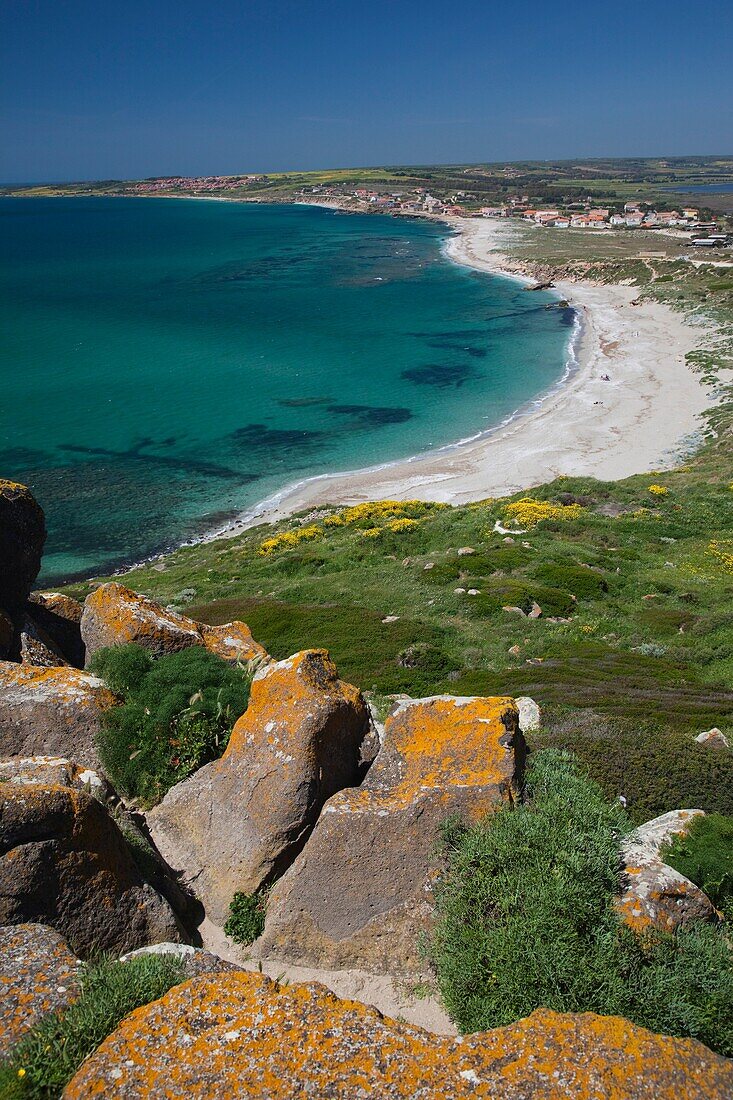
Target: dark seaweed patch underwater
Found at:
x=166, y=364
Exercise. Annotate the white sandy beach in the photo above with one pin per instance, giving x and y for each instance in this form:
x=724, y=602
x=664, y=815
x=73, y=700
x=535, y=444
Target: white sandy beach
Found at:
x=636, y=421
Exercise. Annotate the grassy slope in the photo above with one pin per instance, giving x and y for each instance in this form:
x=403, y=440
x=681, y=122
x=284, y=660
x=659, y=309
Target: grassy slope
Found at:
x=646, y=658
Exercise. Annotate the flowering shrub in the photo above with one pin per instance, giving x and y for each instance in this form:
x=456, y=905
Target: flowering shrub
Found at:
x=723, y=551
x=528, y=512
x=285, y=541
x=374, y=511
x=401, y=524
x=396, y=525
x=396, y=515
x=658, y=490
x=288, y=540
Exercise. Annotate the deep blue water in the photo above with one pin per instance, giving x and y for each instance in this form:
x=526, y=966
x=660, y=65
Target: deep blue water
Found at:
x=166, y=364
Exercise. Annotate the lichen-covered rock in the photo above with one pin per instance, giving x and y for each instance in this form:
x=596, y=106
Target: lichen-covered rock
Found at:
x=530, y=715
x=234, y=822
x=22, y=535
x=242, y=1035
x=194, y=960
x=37, y=647
x=60, y=617
x=232, y=642
x=115, y=615
x=65, y=863
x=51, y=710
x=359, y=892
x=714, y=739
x=58, y=603
x=38, y=974
x=55, y=771
x=654, y=894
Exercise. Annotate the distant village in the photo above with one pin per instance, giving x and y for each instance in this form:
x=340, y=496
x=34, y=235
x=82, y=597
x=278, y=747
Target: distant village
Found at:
x=418, y=201
x=577, y=215
x=193, y=184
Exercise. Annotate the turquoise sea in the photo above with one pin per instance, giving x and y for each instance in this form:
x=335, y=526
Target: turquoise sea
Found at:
x=167, y=363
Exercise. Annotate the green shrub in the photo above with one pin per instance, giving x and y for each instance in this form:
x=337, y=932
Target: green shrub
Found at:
x=705, y=855
x=526, y=918
x=123, y=668
x=683, y=984
x=503, y=559
x=526, y=913
x=495, y=594
x=656, y=768
x=431, y=661
x=246, y=920
x=49, y=1055
x=176, y=715
x=580, y=580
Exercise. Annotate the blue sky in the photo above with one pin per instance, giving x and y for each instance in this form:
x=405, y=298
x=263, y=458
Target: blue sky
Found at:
x=98, y=90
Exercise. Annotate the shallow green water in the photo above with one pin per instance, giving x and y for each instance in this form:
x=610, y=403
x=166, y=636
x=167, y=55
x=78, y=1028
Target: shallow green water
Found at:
x=166, y=364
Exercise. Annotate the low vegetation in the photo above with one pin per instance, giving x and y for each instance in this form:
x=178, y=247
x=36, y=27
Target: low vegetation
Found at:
x=630, y=658
x=705, y=855
x=176, y=714
x=50, y=1054
x=527, y=919
x=246, y=920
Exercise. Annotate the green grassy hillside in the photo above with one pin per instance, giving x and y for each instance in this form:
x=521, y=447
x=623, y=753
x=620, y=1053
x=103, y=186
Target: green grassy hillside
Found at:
x=631, y=657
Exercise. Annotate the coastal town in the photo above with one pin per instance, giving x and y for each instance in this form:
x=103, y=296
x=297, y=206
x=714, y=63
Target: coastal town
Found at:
x=578, y=213
x=575, y=215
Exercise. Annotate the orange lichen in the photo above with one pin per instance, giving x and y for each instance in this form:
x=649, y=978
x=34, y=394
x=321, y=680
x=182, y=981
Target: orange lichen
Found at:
x=283, y=694
x=38, y=973
x=15, y=488
x=656, y=896
x=241, y=1034
x=442, y=744
x=121, y=615
x=62, y=684
x=232, y=642
x=115, y=615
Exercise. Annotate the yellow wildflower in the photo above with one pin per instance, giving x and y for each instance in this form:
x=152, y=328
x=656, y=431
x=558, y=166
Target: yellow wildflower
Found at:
x=402, y=524
x=288, y=540
x=723, y=551
x=658, y=490
x=376, y=510
x=528, y=512
x=372, y=532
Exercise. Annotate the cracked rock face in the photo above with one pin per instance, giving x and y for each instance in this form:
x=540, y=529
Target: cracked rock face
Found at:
x=233, y=823
x=236, y=1035
x=359, y=894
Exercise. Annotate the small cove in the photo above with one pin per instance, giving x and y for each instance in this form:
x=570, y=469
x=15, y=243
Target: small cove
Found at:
x=167, y=364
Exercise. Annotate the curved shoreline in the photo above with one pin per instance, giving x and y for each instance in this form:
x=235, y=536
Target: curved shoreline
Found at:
x=636, y=421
